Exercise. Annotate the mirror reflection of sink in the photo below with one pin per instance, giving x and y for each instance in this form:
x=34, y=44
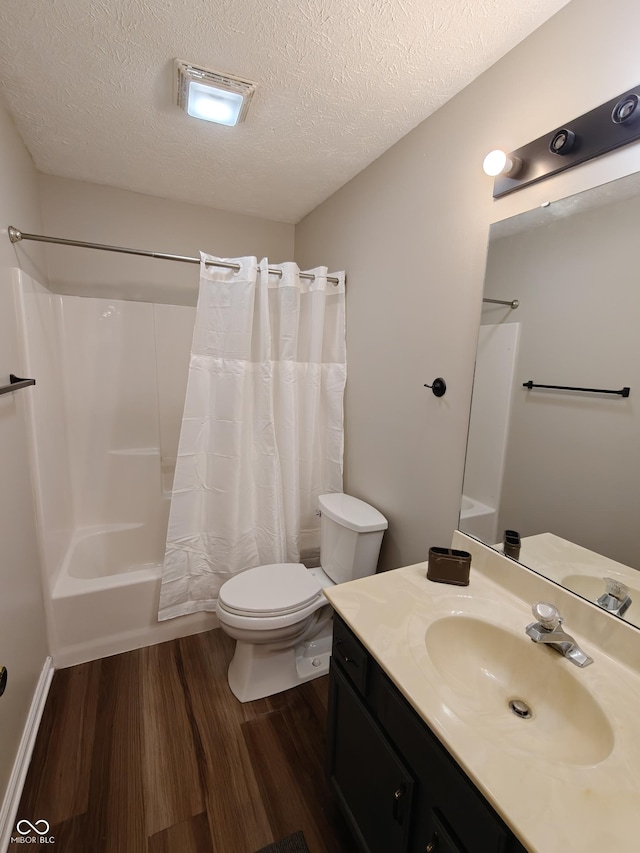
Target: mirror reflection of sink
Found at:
x=592, y=587
x=485, y=667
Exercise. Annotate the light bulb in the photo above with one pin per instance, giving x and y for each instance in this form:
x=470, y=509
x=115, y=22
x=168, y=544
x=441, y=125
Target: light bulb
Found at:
x=498, y=163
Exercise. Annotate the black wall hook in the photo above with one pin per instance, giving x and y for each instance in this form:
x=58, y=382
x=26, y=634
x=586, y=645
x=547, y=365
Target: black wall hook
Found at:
x=439, y=387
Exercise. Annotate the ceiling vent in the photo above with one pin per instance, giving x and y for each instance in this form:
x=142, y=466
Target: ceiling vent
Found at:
x=212, y=95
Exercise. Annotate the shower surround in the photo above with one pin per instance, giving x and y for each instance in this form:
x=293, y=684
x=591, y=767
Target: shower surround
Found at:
x=493, y=390
x=104, y=421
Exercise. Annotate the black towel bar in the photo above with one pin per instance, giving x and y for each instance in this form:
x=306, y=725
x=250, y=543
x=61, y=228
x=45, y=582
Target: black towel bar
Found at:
x=623, y=392
x=15, y=383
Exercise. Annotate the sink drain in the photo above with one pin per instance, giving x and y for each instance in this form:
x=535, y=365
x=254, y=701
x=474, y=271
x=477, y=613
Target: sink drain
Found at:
x=520, y=709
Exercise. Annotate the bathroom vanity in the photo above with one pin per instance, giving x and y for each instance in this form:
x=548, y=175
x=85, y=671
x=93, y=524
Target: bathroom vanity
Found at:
x=425, y=753
x=398, y=787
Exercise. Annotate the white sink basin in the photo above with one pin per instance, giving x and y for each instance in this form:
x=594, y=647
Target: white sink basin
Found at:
x=482, y=667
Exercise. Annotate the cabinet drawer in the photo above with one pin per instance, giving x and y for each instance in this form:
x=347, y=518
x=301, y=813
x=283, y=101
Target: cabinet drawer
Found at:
x=350, y=654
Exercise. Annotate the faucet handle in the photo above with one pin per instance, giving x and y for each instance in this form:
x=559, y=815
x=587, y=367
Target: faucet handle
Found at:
x=547, y=615
x=616, y=588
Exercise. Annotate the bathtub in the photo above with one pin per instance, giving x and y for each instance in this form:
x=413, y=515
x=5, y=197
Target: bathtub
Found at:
x=479, y=520
x=103, y=434
x=105, y=599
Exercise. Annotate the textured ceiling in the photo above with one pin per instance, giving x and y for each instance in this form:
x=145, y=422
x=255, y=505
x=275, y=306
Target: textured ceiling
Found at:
x=89, y=84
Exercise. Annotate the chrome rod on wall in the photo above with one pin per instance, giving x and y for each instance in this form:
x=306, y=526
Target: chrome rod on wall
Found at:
x=15, y=235
x=512, y=303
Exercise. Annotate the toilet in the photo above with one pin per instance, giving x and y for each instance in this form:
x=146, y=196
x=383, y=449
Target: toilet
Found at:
x=278, y=614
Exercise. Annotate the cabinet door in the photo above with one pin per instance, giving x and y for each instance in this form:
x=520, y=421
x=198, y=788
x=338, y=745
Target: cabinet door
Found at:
x=370, y=780
x=441, y=839
x=467, y=822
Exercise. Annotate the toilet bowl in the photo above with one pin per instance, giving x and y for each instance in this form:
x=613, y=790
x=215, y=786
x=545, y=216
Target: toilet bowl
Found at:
x=278, y=643
x=278, y=614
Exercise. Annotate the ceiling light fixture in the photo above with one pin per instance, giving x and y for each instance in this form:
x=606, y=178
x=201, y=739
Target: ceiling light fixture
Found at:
x=211, y=95
x=498, y=163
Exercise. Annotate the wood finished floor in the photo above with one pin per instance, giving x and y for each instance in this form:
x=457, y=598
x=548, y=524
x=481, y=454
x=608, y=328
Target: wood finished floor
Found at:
x=149, y=752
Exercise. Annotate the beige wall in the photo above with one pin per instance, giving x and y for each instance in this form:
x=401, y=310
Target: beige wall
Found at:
x=411, y=232
x=89, y=212
x=23, y=646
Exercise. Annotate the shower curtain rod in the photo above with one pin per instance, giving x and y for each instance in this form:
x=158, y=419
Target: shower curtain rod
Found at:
x=15, y=235
x=512, y=303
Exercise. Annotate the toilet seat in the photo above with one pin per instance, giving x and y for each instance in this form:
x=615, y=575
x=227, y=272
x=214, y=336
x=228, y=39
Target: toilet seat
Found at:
x=279, y=589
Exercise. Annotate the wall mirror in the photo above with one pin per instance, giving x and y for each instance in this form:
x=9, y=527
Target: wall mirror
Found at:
x=557, y=466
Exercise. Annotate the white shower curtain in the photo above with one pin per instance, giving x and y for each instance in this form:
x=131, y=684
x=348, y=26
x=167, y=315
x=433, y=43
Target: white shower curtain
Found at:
x=262, y=431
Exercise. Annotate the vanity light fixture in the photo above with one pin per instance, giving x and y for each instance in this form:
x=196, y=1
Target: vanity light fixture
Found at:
x=497, y=162
x=212, y=95
x=603, y=129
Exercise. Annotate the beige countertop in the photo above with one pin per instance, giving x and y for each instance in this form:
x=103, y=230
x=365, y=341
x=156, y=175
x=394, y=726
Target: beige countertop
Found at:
x=558, y=785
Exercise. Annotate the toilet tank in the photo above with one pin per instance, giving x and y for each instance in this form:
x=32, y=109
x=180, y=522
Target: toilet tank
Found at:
x=351, y=533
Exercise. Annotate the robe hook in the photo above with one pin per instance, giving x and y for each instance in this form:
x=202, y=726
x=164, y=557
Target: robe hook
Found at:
x=438, y=387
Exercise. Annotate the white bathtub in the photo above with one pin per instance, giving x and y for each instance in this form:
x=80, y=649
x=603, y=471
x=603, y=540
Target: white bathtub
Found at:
x=105, y=600
x=477, y=519
x=103, y=435
x=111, y=550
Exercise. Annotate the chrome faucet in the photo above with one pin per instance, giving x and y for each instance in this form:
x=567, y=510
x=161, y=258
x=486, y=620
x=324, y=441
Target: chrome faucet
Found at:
x=546, y=629
x=616, y=599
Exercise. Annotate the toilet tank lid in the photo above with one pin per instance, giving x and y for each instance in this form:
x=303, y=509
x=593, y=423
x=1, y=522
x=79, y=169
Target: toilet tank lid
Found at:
x=352, y=513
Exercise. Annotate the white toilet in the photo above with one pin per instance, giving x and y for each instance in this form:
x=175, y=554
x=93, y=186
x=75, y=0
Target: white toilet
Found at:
x=278, y=613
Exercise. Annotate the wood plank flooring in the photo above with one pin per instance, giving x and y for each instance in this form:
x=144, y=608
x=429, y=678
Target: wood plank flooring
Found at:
x=149, y=752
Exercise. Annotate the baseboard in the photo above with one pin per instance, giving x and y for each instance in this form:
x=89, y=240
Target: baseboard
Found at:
x=162, y=632
x=21, y=764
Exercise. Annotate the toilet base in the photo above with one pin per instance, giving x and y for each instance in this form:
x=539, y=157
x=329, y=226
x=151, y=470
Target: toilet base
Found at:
x=257, y=670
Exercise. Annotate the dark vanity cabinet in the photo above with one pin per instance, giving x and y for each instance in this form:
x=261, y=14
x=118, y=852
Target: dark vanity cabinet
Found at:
x=399, y=789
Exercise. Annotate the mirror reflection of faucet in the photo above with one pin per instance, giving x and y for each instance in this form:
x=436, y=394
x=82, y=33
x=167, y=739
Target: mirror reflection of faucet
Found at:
x=616, y=598
x=546, y=629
